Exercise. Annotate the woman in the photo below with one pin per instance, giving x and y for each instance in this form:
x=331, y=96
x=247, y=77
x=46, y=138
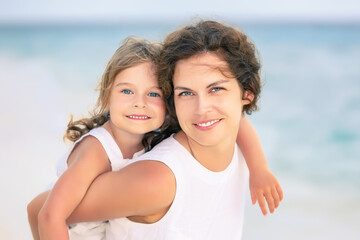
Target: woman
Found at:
x=191, y=185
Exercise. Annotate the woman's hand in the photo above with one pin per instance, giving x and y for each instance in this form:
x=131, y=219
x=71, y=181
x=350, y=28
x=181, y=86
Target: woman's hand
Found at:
x=265, y=187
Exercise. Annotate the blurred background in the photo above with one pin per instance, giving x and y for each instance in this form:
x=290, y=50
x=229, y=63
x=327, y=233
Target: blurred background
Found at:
x=52, y=54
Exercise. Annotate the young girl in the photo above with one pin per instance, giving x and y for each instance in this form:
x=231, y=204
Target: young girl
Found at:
x=131, y=108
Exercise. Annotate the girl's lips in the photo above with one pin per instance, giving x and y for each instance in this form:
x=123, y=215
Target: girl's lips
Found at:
x=138, y=117
x=206, y=125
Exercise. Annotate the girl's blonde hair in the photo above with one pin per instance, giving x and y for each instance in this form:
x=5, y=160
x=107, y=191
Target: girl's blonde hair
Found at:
x=133, y=51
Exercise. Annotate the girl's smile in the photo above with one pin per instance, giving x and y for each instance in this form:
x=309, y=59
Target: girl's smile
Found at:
x=138, y=117
x=135, y=103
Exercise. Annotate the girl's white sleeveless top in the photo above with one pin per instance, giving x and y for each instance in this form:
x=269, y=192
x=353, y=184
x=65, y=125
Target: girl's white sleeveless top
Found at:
x=111, y=148
x=207, y=205
x=95, y=230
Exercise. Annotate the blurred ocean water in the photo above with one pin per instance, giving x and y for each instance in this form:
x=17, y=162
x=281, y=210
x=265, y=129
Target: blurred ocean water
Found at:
x=308, y=120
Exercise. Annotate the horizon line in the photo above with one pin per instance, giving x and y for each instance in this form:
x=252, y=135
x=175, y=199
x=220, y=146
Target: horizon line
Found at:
x=177, y=21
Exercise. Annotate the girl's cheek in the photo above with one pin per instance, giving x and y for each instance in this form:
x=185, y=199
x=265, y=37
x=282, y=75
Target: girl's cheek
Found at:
x=158, y=102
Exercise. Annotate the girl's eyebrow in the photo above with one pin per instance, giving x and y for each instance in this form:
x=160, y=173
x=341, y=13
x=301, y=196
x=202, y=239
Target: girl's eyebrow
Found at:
x=208, y=86
x=122, y=83
x=129, y=84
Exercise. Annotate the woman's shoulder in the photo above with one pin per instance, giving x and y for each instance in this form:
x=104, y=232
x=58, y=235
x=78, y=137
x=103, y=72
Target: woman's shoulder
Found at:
x=169, y=145
x=169, y=153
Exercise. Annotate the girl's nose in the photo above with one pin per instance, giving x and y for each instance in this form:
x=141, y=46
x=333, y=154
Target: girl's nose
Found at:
x=140, y=101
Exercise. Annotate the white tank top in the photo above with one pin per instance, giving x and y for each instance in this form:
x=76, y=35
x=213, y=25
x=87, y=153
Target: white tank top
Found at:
x=94, y=230
x=207, y=205
x=111, y=148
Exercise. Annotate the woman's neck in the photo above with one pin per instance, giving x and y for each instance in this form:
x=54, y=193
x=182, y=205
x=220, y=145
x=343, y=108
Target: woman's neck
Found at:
x=214, y=158
x=128, y=143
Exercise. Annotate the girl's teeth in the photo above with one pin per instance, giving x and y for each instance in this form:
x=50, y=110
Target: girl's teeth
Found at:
x=138, y=117
x=207, y=123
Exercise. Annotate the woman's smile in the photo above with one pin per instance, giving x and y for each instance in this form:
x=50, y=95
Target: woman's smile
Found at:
x=208, y=103
x=207, y=125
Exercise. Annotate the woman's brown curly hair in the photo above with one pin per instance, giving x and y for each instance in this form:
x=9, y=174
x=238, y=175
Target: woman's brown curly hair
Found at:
x=227, y=42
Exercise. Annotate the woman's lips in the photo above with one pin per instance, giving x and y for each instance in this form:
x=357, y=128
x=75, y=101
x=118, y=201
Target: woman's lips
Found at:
x=205, y=125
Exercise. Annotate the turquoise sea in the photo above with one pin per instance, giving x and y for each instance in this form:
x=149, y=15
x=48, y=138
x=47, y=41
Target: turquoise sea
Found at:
x=308, y=120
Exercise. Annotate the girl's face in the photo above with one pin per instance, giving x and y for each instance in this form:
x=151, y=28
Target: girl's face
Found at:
x=136, y=105
x=208, y=104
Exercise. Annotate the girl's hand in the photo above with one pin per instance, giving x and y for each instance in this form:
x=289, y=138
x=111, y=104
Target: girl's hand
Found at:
x=265, y=186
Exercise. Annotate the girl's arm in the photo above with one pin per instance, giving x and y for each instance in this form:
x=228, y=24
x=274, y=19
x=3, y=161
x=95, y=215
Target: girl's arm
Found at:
x=86, y=162
x=263, y=184
x=33, y=209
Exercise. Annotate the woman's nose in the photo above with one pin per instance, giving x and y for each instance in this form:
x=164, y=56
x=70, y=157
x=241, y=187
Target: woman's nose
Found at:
x=203, y=104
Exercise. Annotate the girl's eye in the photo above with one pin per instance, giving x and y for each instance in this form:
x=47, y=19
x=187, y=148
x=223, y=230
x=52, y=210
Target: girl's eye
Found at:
x=154, y=94
x=126, y=91
x=185, y=93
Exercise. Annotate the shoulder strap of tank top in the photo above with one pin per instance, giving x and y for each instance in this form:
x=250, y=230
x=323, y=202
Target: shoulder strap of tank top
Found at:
x=108, y=143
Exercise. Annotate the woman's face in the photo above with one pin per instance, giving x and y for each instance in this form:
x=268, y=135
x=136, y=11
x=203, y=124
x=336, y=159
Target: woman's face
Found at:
x=208, y=104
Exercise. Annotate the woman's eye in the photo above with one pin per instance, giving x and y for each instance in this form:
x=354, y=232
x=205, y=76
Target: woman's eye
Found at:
x=154, y=94
x=185, y=94
x=217, y=89
x=126, y=91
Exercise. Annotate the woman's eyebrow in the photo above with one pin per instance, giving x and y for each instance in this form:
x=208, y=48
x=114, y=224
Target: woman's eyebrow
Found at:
x=208, y=86
x=217, y=83
x=181, y=88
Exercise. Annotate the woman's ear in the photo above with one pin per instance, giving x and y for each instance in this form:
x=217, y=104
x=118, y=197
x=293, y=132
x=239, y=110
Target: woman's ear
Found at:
x=248, y=97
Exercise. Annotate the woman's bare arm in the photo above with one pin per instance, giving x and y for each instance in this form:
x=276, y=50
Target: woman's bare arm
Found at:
x=143, y=188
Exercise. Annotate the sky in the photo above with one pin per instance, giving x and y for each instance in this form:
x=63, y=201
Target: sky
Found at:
x=40, y=11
